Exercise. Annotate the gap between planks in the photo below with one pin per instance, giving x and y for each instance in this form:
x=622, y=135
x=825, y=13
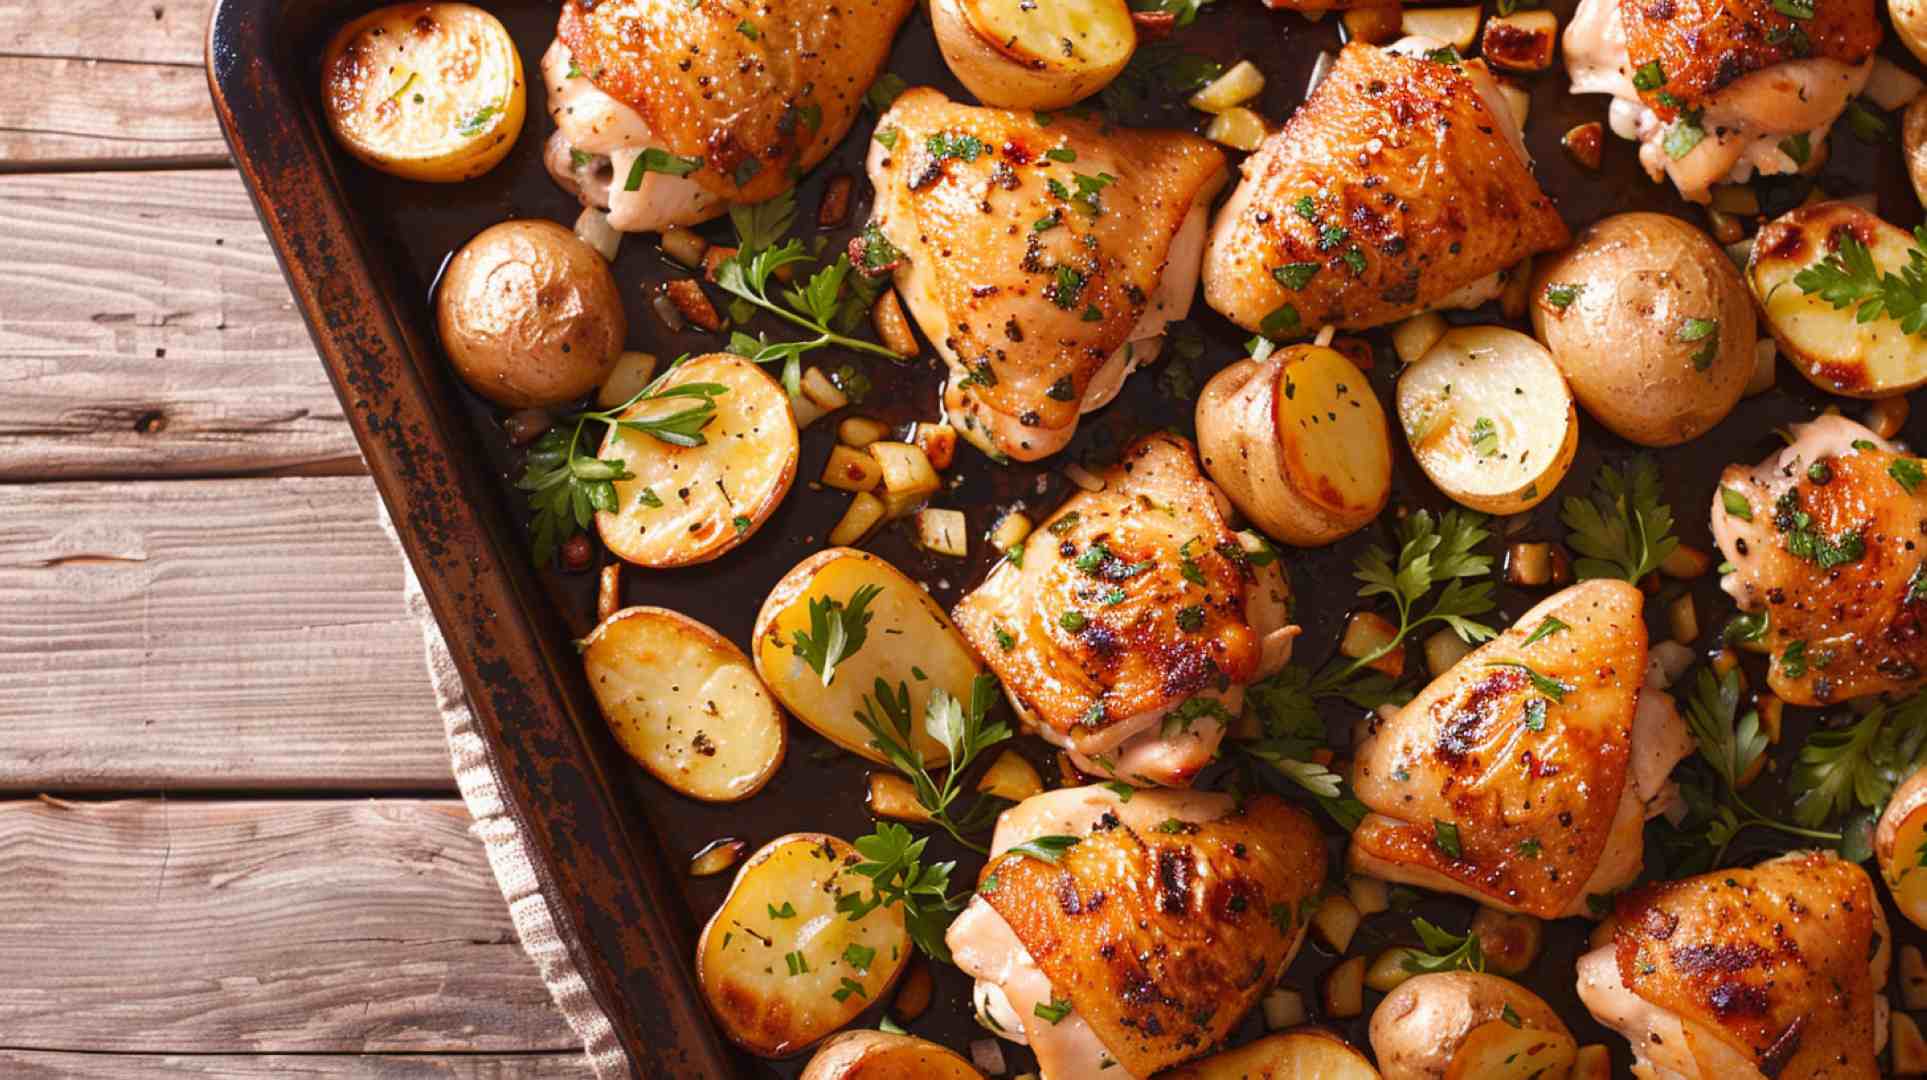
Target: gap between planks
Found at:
x=22, y=1064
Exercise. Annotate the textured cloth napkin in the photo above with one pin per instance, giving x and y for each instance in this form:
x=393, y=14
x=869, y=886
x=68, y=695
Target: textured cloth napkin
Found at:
x=507, y=855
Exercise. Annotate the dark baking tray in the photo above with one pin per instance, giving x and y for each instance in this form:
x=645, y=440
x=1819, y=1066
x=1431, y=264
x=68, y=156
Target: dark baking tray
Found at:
x=362, y=251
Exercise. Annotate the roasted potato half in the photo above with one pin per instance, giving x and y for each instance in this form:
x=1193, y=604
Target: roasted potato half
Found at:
x=1299, y=442
x=689, y=504
x=424, y=91
x=1022, y=54
x=908, y=639
x=1651, y=325
x=1830, y=346
x=1306, y=1054
x=1900, y=845
x=529, y=315
x=1910, y=23
x=779, y=965
x=1489, y=418
x=883, y=1055
x=1464, y=1025
x=685, y=703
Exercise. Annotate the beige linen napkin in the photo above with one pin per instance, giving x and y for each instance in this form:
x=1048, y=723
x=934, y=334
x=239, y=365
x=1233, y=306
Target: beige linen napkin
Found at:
x=507, y=855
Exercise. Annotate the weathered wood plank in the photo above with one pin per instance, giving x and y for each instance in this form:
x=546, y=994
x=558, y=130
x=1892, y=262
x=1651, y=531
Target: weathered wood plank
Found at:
x=208, y=634
x=165, y=926
x=145, y=329
x=44, y=1065
x=155, y=32
x=68, y=112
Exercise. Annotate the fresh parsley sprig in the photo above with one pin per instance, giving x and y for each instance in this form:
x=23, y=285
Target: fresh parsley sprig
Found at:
x=963, y=732
x=893, y=861
x=1445, y=951
x=1847, y=277
x=1624, y=530
x=1731, y=743
x=1854, y=769
x=567, y=486
x=837, y=630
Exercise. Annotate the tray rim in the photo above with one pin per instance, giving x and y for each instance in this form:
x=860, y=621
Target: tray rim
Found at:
x=603, y=874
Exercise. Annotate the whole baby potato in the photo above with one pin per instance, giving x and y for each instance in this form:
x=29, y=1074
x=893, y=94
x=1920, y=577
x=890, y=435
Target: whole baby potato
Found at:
x=529, y=315
x=1651, y=324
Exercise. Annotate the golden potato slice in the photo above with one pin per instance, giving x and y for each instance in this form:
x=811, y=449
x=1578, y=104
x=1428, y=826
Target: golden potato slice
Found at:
x=883, y=1055
x=1505, y=1050
x=1030, y=55
x=1830, y=346
x=1299, y=442
x=1489, y=418
x=1311, y=1054
x=689, y=504
x=909, y=641
x=779, y=965
x=1900, y=844
x=685, y=703
x=424, y=91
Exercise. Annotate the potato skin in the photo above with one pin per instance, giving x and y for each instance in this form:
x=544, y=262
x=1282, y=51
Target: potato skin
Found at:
x=882, y=1055
x=1000, y=75
x=1908, y=799
x=1640, y=277
x=530, y=315
x=1417, y=1029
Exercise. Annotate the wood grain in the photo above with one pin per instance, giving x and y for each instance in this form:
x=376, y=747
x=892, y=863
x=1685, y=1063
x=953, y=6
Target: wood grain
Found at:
x=168, y=926
x=67, y=112
x=208, y=634
x=44, y=1065
x=145, y=329
x=155, y=31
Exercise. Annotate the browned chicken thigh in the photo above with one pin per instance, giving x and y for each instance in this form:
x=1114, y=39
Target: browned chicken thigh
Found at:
x=1524, y=775
x=1748, y=974
x=1716, y=90
x=1129, y=624
x=1042, y=261
x=1149, y=938
x=1828, y=541
x=668, y=112
x=1400, y=183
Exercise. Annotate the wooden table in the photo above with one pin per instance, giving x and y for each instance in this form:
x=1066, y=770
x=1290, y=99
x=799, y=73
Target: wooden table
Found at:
x=229, y=840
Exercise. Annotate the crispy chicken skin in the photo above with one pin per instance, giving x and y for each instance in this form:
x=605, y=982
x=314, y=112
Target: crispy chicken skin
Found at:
x=1125, y=605
x=757, y=108
x=1751, y=75
x=1161, y=927
x=1831, y=545
x=1542, y=790
x=1747, y=974
x=1043, y=262
x=1399, y=179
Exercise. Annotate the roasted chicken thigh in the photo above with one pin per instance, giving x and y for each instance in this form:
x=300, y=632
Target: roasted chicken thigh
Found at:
x=1523, y=776
x=668, y=112
x=1146, y=940
x=1399, y=186
x=1769, y=973
x=1716, y=90
x=1129, y=624
x=1042, y=261
x=1828, y=541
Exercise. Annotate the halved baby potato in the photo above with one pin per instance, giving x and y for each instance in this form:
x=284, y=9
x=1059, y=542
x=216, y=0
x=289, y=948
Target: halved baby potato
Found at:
x=1465, y=1025
x=908, y=641
x=1503, y=1050
x=1900, y=844
x=1299, y=442
x=424, y=91
x=689, y=504
x=884, y=1055
x=685, y=703
x=1490, y=418
x=1306, y=1054
x=1023, y=54
x=779, y=965
x=1829, y=345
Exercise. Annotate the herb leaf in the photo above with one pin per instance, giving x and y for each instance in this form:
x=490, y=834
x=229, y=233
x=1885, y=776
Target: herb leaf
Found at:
x=837, y=630
x=961, y=729
x=1847, y=277
x=1624, y=530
